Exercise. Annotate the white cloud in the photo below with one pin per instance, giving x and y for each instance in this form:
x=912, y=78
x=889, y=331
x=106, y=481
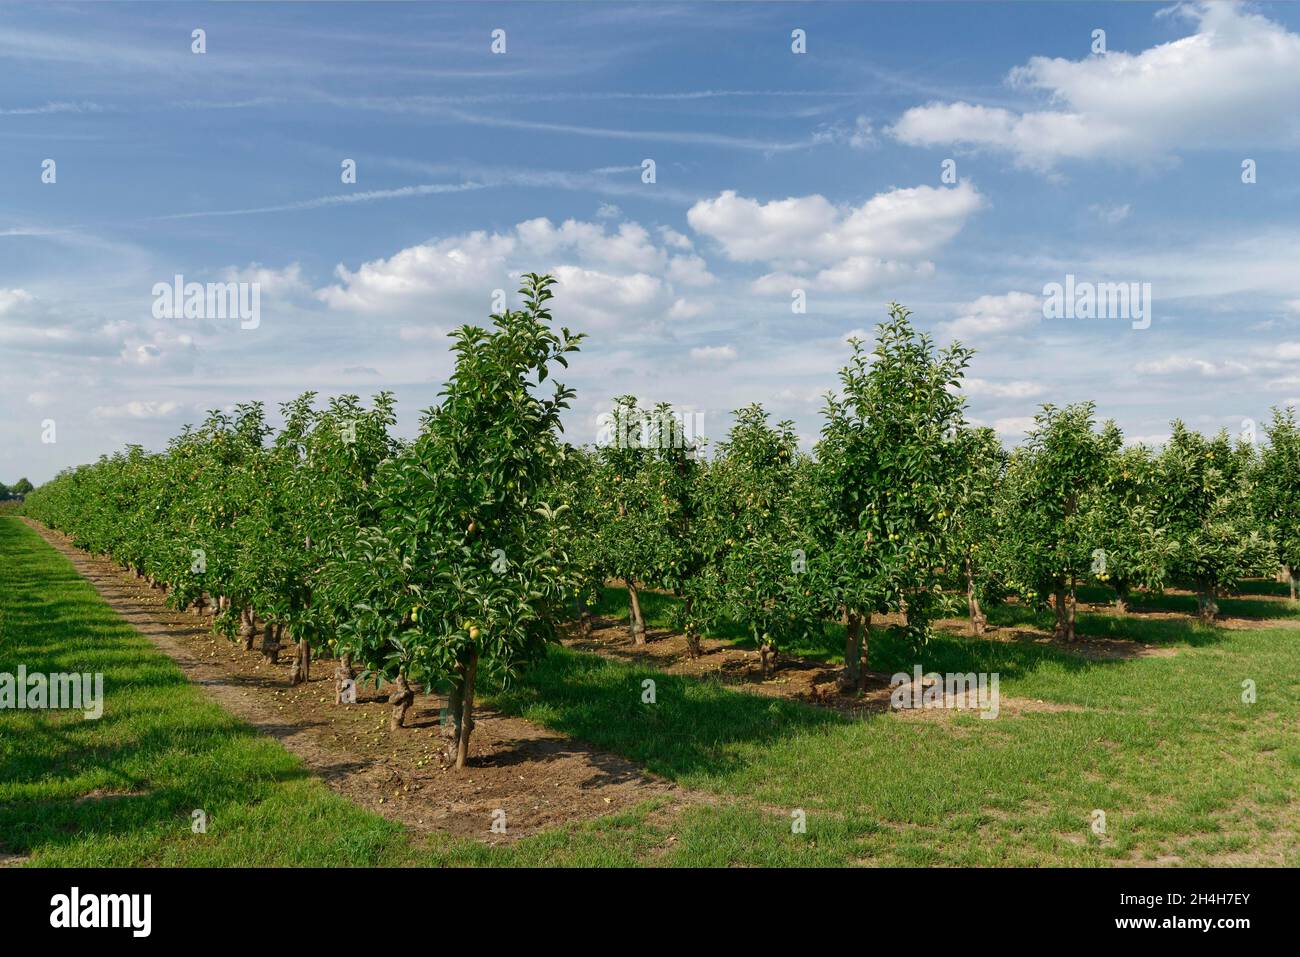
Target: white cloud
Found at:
x=136, y=410
x=598, y=299
x=474, y=260
x=690, y=271
x=1155, y=440
x=418, y=333
x=1015, y=425
x=1110, y=214
x=864, y=135
x=713, y=353
x=284, y=282
x=1181, y=365
x=682, y=309
x=1010, y=313
x=11, y=298
x=1014, y=389
x=606, y=276
x=1233, y=83
x=672, y=237
x=850, y=247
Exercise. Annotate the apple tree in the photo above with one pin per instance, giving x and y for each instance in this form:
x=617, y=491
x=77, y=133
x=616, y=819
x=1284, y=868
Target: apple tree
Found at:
x=1206, y=507
x=1277, y=491
x=888, y=474
x=460, y=575
x=1043, y=528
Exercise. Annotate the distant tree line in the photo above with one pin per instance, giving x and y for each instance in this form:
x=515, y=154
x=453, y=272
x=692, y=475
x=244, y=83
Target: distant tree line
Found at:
x=18, y=490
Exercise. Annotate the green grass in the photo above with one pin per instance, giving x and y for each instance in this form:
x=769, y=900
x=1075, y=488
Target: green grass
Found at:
x=119, y=791
x=658, y=610
x=1183, y=768
x=1185, y=771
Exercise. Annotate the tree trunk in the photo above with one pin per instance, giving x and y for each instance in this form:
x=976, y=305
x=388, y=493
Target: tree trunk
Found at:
x=342, y=673
x=767, y=657
x=1291, y=577
x=1206, y=606
x=1064, y=613
x=401, y=700
x=271, y=643
x=977, y=619
x=301, y=663
x=1122, y=597
x=850, y=678
x=247, y=627
x=635, y=618
x=694, y=646
x=467, y=709
x=451, y=717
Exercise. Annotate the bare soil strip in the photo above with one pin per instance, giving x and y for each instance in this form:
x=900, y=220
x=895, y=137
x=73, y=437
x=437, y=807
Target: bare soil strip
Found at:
x=540, y=779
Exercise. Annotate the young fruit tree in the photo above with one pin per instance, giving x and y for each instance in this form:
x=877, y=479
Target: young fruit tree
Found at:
x=1206, y=508
x=889, y=473
x=1043, y=529
x=1129, y=548
x=344, y=448
x=645, y=469
x=753, y=545
x=984, y=461
x=462, y=576
x=1277, y=491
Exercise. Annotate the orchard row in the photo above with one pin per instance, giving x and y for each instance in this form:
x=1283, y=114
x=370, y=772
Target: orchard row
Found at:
x=458, y=556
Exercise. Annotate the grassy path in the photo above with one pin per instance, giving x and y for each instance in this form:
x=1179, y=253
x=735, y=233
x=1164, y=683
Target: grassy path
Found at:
x=119, y=791
x=1185, y=771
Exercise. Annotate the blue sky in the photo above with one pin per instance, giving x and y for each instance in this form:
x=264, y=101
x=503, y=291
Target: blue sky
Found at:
x=774, y=171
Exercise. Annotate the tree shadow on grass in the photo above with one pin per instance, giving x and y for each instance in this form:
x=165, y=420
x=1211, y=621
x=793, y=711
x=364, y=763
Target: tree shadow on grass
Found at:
x=700, y=726
x=1134, y=627
x=692, y=727
x=141, y=781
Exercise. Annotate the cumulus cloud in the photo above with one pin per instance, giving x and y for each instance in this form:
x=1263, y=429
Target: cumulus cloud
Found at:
x=284, y=282
x=988, y=316
x=1015, y=389
x=1233, y=82
x=417, y=333
x=810, y=241
x=12, y=298
x=713, y=353
x=1014, y=426
x=1183, y=365
x=607, y=276
x=135, y=410
x=863, y=136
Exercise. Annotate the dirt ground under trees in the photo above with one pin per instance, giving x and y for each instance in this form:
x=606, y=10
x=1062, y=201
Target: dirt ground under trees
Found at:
x=540, y=779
